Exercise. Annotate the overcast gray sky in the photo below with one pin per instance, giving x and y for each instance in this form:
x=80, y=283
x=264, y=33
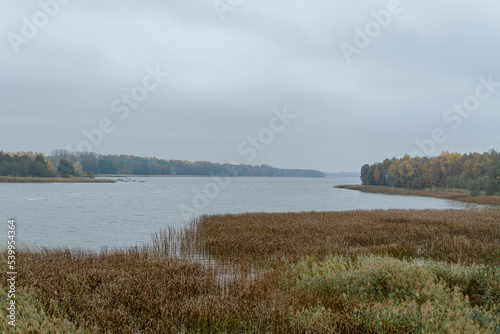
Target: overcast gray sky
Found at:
x=357, y=97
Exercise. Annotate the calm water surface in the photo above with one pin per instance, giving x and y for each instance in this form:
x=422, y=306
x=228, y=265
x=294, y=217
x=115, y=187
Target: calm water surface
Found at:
x=123, y=214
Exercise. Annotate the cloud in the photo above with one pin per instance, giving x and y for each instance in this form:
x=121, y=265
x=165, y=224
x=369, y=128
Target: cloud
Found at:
x=227, y=76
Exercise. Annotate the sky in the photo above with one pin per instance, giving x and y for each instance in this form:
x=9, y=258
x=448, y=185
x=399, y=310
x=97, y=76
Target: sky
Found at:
x=327, y=85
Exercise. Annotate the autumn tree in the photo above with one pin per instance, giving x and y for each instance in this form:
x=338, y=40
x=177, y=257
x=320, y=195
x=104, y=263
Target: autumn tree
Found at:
x=376, y=175
x=77, y=166
x=479, y=173
x=50, y=168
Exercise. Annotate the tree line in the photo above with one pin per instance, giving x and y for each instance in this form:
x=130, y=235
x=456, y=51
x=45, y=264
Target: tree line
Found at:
x=25, y=164
x=479, y=173
x=93, y=163
x=33, y=164
x=66, y=163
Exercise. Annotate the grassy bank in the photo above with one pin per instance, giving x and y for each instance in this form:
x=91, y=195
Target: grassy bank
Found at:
x=394, y=271
x=453, y=194
x=15, y=179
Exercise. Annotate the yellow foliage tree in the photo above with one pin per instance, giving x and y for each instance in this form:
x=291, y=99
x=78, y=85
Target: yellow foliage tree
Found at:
x=50, y=167
x=78, y=168
x=376, y=174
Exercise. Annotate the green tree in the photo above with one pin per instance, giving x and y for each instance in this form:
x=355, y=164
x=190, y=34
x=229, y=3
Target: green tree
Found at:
x=65, y=168
x=364, y=174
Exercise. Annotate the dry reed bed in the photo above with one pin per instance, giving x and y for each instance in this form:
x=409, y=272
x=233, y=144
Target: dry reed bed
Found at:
x=454, y=194
x=136, y=291
x=154, y=289
x=483, y=200
x=457, y=236
x=117, y=290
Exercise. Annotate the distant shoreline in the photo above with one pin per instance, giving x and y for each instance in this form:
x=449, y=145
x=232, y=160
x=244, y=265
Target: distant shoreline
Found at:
x=235, y=176
x=455, y=194
x=29, y=179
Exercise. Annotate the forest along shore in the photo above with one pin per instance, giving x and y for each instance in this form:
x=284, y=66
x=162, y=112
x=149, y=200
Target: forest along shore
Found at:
x=451, y=194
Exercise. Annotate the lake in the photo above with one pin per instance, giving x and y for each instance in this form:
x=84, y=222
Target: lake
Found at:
x=122, y=214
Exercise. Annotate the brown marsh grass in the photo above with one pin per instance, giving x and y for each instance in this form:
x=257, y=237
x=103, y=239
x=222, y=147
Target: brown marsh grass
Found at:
x=456, y=236
x=450, y=194
x=391, y=271
x=117, y=291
